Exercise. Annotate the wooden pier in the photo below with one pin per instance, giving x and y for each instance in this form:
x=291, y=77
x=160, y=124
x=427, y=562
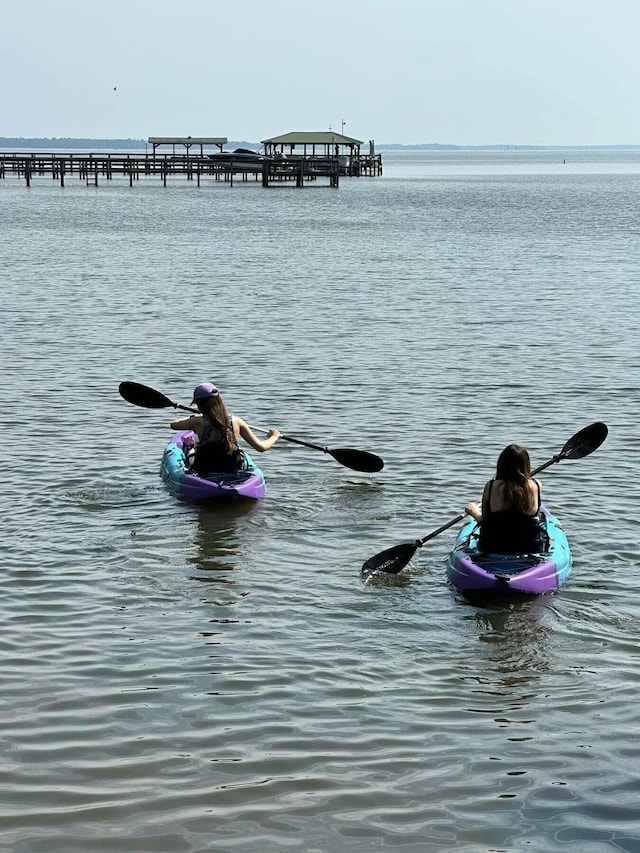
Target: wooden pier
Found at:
x=92, y=168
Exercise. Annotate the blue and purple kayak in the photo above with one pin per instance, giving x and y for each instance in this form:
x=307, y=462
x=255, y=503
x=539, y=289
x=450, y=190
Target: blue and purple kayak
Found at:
x=181, y=480
x=469, y=570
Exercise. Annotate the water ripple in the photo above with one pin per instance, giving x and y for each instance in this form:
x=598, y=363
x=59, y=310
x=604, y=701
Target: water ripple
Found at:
x=177, y=677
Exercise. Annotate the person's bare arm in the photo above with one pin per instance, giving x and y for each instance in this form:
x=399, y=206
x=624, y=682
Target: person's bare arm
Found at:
x=251, y=438
x=473, y=509
x=193, y=422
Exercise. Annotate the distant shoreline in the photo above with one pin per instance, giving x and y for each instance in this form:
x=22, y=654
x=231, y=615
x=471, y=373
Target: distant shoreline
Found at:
x=138, y=144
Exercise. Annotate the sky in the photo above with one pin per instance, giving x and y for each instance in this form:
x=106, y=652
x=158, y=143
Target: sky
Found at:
x=461, y=72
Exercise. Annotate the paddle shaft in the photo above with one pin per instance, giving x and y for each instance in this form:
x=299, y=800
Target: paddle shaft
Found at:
x=293, y=440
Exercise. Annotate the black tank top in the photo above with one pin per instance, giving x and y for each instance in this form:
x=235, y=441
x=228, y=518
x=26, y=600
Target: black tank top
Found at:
x=509, y=531
x=212, y=454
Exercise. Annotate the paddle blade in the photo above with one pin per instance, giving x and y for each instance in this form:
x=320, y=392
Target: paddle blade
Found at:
x=358, y=460
x=142, y=395
x=392, y=560
x=586, y=441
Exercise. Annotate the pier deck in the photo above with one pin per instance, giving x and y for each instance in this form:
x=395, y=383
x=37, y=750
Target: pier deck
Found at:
x=92, y=167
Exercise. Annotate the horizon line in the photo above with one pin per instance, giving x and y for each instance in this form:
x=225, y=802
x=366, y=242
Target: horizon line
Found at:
x=30, y=141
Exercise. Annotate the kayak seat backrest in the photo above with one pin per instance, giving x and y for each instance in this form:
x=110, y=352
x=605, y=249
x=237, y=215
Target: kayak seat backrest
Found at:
x=210, y=459
x=510, y=532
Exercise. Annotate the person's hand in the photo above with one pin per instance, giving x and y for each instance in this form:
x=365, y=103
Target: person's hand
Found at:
x=473, y=510
x=274, y=434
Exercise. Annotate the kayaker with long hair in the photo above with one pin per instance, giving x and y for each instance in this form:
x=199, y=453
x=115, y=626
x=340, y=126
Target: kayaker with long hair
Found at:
x=509, y=517
x=218, y=432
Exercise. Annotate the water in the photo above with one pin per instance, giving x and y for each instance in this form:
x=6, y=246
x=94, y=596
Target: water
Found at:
x=181, y=678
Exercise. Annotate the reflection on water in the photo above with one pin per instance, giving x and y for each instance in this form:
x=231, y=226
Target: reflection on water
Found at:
x=515, y=639
x=219, y=545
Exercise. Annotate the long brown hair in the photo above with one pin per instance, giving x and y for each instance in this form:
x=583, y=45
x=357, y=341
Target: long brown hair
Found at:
x=514, y=469
x=215, y=408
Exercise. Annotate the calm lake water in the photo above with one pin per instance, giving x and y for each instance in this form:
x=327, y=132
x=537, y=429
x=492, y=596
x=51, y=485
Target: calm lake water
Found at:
x=186, y=678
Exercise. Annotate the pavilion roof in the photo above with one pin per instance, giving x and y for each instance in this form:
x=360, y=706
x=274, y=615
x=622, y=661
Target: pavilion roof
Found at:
x=318, y=137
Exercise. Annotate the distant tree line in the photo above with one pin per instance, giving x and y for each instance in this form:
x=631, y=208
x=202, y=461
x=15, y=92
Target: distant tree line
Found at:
x=68, y=142
x=73, y=142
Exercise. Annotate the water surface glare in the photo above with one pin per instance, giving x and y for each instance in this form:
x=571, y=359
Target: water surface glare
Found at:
x=180, y=678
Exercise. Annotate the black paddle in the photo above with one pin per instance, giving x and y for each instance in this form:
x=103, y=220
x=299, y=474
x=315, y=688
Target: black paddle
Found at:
x=359, y=460
x=393, y=560
x=149, y=398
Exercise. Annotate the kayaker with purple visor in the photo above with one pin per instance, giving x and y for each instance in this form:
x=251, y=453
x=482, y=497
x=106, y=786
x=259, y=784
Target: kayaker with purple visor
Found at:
x=218, y=432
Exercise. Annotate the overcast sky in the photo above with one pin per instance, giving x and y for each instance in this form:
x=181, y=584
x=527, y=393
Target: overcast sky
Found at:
x=466, y=72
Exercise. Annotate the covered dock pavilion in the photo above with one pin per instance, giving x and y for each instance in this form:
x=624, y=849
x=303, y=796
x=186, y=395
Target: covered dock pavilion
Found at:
x=324, y=144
